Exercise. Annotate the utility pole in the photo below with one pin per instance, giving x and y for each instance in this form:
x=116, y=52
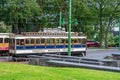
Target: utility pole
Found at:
x=119, y=32
x=69, y=29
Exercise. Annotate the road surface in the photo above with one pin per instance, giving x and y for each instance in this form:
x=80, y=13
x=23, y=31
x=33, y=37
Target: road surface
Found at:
x=101, y=53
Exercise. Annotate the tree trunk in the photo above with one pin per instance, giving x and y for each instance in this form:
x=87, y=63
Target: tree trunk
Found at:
x=107, y=32
x=101, y=26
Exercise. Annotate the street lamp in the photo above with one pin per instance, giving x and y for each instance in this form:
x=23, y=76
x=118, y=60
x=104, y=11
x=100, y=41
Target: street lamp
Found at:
x=69, y=29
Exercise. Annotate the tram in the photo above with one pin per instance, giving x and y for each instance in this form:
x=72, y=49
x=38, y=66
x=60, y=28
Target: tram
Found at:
x=45, y=42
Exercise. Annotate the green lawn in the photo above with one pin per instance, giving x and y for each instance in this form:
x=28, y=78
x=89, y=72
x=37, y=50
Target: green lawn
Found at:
x=12, y=71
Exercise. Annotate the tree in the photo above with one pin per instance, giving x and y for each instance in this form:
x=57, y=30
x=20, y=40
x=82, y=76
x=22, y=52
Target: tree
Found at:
x=50, y=13
x=82, y=13
x=112, y=9
x=105, y=11
x=21, y=13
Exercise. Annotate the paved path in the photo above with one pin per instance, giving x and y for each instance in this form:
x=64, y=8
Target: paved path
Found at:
x=101, y=53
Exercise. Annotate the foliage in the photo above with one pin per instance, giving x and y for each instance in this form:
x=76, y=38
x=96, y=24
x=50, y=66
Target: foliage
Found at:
x=12, y=71
x=5, y=28
x=50, y=13
x=116, y=39
x=90, y=32
x=82, y=13
x=20, y=13
x=110, y=13
x=113, y=40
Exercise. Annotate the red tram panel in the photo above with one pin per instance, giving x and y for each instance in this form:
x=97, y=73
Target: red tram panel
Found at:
x=4, y=42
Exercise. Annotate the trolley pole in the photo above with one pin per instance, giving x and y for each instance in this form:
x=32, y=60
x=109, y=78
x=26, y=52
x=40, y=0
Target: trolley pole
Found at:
x=69, y=30
x=119, y=32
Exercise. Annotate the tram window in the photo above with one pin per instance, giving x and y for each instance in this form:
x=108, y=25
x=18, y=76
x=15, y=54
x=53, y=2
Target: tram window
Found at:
x=57, y=40
x=6, y=40
x=72, y=40
x=80, y=41
x=63, y=40
x=60, y=40
x=84, y=41
x=1, y=40
x=27, y=41
x=18, y=42
x=66, y=40
x=32, y=41
x=42, y=41
x=49, y=41
x=75, y=40
x=52, y=41
x=22, y=42
x=37, y=41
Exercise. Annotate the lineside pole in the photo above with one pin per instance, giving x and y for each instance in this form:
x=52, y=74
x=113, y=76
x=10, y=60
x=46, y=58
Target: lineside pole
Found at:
x=69, y=30
x=119, y=32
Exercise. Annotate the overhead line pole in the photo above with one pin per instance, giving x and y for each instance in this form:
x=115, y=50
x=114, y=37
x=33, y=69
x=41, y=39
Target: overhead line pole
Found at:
x=119, y=32
x=69, y=29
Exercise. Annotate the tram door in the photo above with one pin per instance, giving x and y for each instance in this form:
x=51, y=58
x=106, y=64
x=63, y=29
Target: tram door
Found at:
x=12, y=44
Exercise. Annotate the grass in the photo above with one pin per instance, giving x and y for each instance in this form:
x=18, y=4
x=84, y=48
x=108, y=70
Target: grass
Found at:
x=12, y=71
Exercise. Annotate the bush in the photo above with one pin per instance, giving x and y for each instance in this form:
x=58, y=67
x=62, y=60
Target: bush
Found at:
x=113, y=44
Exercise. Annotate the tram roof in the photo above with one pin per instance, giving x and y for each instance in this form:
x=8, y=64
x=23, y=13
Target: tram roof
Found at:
x=27, y=37
x=45, y=35
x=4, y=35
